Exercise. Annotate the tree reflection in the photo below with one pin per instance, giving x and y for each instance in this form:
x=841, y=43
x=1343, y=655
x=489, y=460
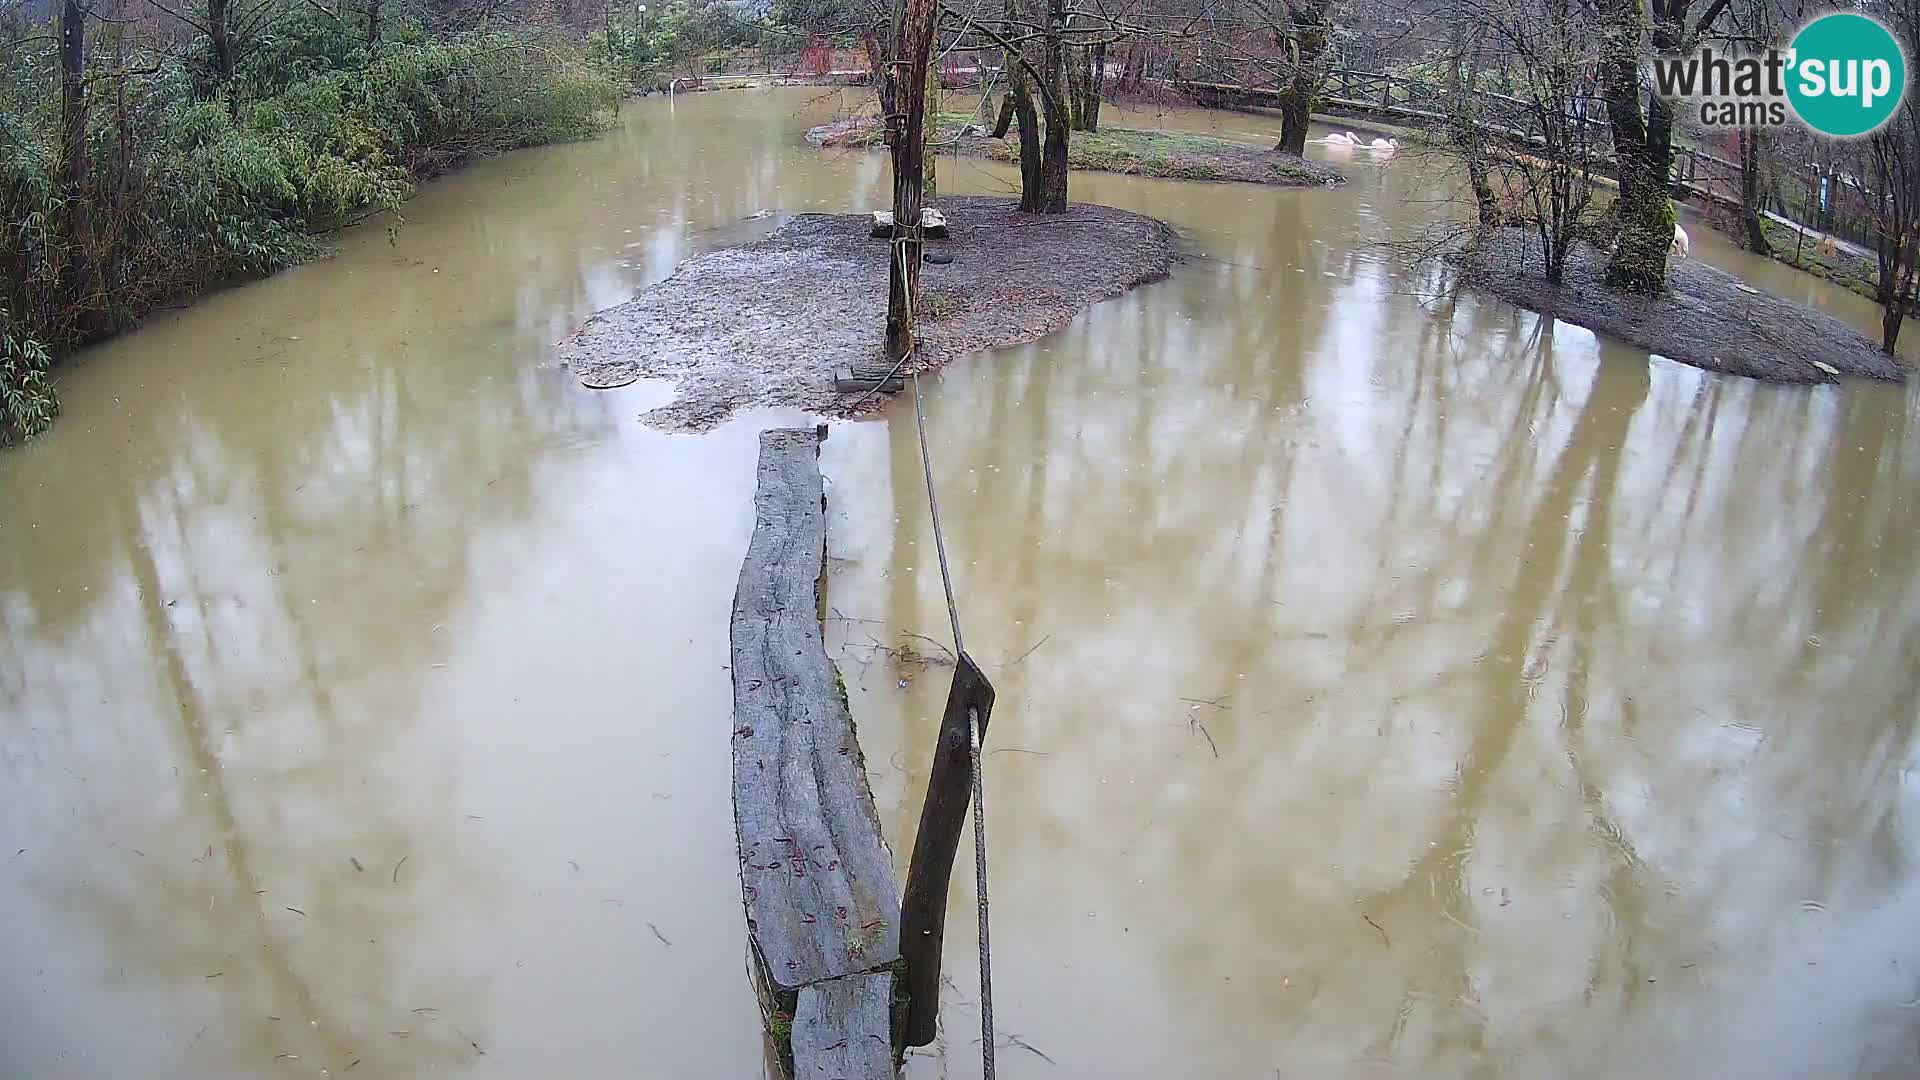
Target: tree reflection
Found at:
x=238, y=619
x=1522, y=740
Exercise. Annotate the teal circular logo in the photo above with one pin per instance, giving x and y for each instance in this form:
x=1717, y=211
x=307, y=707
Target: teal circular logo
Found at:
x=1846, y=74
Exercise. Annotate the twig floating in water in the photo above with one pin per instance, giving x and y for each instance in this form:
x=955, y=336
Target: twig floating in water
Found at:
x=1377, y=926
x=661, y=936
x=396, y=869
x=1015, y=1040
x=1026, y=654
x=932, y=642
x=356, y=864
x=1193, y=723
x=298, y=912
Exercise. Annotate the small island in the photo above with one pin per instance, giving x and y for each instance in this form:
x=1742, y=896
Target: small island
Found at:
x=1707, y=317
x=1175, y=155
x=765, y=323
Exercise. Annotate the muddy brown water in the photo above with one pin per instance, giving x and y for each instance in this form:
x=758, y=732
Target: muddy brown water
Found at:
x=1386, y=686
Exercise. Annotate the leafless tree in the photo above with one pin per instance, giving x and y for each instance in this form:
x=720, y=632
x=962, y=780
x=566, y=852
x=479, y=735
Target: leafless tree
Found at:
x=1894, y=153
x=1530, y=165
x=234, y=27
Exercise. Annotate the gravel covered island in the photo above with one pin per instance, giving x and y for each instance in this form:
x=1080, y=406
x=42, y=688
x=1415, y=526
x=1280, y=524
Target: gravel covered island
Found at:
x=766, y=323
x=1708, y=318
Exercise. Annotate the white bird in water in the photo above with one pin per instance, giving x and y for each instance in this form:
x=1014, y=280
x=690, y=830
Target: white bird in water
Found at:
x=1388, y=145
x=1681, y=245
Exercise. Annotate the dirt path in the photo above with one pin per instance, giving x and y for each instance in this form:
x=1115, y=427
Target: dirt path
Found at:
x=1709, y=318
x=765, y=324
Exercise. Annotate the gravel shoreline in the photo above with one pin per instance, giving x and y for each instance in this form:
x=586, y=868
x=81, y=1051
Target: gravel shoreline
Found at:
x=1708, y=318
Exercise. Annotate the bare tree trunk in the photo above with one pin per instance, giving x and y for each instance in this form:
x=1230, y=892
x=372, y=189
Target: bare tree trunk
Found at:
x=1076, y=86
x=1752, y=142
x=877, y=46
x=930, y=154
x=1896, y=224
x=1133, y=69
x=1053, y=159
x=222, y=41
x=1083, y=78
x=1464, y=132
x=373, y=22
x=1891, y=318
x=1643, y=153
x=911, y=51
x=1308, y=45
x=1895, y=291
x=1005, y=121
x=74, y=228
x=1096, y=86
x=1021, y=92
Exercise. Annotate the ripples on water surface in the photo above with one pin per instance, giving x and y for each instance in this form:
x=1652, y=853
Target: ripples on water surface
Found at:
x=1562, y=702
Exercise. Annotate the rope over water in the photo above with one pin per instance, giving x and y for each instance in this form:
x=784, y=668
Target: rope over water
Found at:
x=973, y=715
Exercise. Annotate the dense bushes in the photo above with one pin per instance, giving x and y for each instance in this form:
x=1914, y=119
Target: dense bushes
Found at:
x=189, y=186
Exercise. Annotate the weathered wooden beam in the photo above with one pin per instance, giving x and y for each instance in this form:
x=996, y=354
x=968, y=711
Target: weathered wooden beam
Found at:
x=814, y=869
x=923, y=911
x=840, y=1028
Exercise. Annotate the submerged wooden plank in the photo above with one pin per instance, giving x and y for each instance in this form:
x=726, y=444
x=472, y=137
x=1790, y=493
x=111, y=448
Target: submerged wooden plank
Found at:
x=815, y=871
x=840, y=1029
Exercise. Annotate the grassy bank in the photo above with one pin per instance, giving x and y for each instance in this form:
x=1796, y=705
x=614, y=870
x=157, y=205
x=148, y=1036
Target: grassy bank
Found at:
x=1172, y=154
x=190, y=179
x=1850, y=272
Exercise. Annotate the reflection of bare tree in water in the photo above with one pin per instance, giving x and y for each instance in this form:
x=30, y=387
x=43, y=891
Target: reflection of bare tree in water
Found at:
x=267, y=564
x=1523, y=509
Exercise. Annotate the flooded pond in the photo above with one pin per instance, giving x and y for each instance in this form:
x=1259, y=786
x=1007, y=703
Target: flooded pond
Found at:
x=1386, y=684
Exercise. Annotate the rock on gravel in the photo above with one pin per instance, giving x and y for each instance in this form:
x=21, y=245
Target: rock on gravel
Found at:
x=765, y=323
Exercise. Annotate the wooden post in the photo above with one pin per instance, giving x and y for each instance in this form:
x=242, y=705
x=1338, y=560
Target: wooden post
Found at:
x=907, y=75
x=923, y=909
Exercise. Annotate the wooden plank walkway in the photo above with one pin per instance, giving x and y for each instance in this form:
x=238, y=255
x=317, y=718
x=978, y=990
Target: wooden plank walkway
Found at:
x=818, y=880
